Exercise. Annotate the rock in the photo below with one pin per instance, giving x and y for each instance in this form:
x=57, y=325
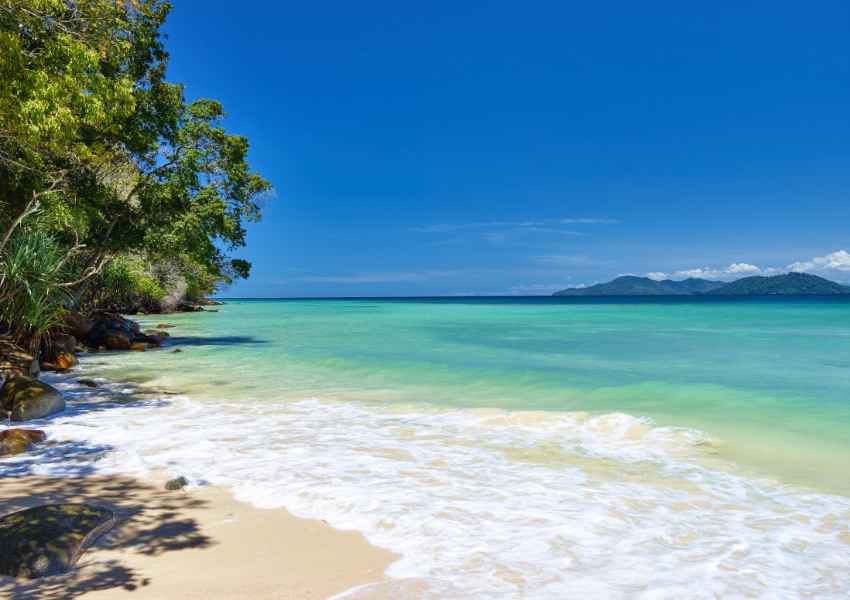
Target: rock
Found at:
x=176, y=350
x=110, y=329
x=157, y=333
x=15, y=441
x=49, y=539
x=176, y=484
x=186, y=307
x=87, y=382
x=116, y=340
x=166, y=326
x=14, y=360
x=152, y=340
x=27, y=398
x=64, y=343
x=62, y=362
x=78, y=325
x=138, y=346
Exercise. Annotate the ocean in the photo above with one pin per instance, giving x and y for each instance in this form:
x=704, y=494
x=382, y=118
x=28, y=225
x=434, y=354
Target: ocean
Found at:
x=508, y=447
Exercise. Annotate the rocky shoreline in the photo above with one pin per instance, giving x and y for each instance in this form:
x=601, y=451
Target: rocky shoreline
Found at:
x=31, y=545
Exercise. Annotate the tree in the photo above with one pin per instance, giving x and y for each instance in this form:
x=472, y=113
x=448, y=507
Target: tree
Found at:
x=100, y=152
x=104, y=149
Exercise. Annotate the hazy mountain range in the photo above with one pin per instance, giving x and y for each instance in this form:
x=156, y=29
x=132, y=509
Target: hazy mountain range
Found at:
x=792, y=284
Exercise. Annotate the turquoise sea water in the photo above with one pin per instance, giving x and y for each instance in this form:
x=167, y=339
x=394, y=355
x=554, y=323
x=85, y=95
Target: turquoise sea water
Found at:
x=768, y=380
x=508, y=448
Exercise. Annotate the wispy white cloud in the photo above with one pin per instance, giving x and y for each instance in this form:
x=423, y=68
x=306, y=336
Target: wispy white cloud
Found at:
x=382, y=277
x=732, y=271
x=835, y=264
x=836, y=261
x=589, y=221
x=540, y=225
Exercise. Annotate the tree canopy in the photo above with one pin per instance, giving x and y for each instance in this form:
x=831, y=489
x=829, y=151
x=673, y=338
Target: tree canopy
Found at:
x=102, y=154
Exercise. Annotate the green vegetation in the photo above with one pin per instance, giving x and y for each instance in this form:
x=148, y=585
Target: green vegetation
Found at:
x=629, y=285
x=114, y=189
x=790, y=284
x=799, y=284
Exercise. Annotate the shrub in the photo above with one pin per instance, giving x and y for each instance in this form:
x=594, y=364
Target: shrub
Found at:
x=32, y=299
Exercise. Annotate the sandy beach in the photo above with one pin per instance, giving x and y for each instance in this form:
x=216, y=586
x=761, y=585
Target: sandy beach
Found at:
x=193, y=543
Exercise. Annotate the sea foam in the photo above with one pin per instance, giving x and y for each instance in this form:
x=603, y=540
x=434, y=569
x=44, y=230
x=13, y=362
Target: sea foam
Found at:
x=480, y=503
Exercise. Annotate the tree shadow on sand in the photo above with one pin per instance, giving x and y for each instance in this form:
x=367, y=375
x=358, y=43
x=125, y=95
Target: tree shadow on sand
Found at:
x=151, y=521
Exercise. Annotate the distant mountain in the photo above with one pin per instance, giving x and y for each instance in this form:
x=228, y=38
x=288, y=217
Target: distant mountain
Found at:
x=790, y=284
x=629, y=285
x=799, y=284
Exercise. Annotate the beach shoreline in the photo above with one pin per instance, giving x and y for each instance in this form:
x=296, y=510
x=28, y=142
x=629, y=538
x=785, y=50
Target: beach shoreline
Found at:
x=198, y=542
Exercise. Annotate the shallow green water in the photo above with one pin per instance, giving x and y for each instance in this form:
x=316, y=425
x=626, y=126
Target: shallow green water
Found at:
x=768, y=380
x=505, y=448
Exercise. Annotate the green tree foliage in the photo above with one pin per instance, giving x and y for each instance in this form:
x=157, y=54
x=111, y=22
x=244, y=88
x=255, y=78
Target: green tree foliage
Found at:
x=100, y=152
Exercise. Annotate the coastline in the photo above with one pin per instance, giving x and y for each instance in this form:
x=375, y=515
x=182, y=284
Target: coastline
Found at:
x=196, y=542
x=199, y=542
x=363, y=466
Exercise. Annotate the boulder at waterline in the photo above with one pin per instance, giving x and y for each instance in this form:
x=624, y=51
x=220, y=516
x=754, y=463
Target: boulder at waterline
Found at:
x=61, y=362
x=176, y=484
x=116, y=340
x=166, y=326
x=48, y=540
x=87, y=382
x=157, y=333
x=138, y=346
x=78, y=325
x=15, y=441
x=27, y=398
x=63, y=343
x=153, y=340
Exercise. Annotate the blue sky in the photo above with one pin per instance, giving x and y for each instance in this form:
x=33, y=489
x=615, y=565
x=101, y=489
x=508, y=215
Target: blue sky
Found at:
x=518, y=148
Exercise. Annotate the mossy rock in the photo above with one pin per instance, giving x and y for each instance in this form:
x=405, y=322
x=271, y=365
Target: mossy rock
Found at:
x=178, y=483
x=49, y=539
x=15, y=441
x=27, y=398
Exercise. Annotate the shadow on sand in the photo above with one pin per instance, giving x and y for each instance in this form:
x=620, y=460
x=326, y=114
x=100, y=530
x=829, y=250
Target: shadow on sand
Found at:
x=151, y=521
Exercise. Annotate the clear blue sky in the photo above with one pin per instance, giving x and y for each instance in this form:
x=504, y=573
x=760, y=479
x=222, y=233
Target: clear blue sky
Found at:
x=519, y=147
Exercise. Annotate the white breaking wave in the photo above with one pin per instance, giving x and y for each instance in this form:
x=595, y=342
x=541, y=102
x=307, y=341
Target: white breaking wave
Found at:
x=481, y=503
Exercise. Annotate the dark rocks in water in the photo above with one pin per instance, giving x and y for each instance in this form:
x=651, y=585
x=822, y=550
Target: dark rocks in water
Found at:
x=152, y=340
x=185, y=307
x=87, y=382
x=27, y=398
x=176, y=350
x=78, y=325
x=157, y=333
x=176, y=483
x=166, y=326
x=116, y=340
x=49, y=539
x=111, y=330
x=138, y=346
x=15, y=441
